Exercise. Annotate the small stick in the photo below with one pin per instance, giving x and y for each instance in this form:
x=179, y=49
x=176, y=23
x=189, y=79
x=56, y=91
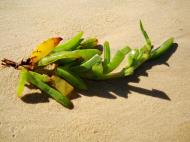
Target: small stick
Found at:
x=9, y=63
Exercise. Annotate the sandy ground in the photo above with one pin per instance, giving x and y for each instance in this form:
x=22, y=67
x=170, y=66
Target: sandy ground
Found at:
x=154, y=108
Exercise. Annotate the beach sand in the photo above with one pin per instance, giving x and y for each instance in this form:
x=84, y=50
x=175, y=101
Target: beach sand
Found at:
x=153, y=105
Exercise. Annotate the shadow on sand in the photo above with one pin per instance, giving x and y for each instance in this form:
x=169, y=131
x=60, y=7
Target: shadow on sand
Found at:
x=119, y=87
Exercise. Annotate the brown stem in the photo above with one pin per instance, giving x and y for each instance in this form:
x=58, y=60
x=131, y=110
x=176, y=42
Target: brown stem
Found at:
x=9, y=63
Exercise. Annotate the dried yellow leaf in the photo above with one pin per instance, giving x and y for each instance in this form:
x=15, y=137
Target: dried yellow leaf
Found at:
x=62, y=86
x=44, y=48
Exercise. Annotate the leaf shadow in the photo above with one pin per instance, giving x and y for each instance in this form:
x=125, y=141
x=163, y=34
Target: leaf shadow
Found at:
x=119, y=87
x=42, y=97
x=34, y=98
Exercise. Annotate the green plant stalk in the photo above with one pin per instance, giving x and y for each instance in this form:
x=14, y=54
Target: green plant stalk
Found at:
x=123, y=73
x=76, y=45
x=164, y=47
x=132, y=57
x=117, y=59
x=64, y=61
x=72, y=78
x=93, y=76
x=70, y=44
x=41, y=77
x=140, y=59
x=22, y=82
x=49, y=90
x=130, y=69
x=106, y=53
x=156, y=53
x=87, y=65
x=148, y=42
x=89, y=43
x=84, y=54
x=97, y=69
x=112, y=75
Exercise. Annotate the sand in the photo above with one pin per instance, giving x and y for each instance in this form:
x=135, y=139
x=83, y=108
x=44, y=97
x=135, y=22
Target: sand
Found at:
x=153, y=108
